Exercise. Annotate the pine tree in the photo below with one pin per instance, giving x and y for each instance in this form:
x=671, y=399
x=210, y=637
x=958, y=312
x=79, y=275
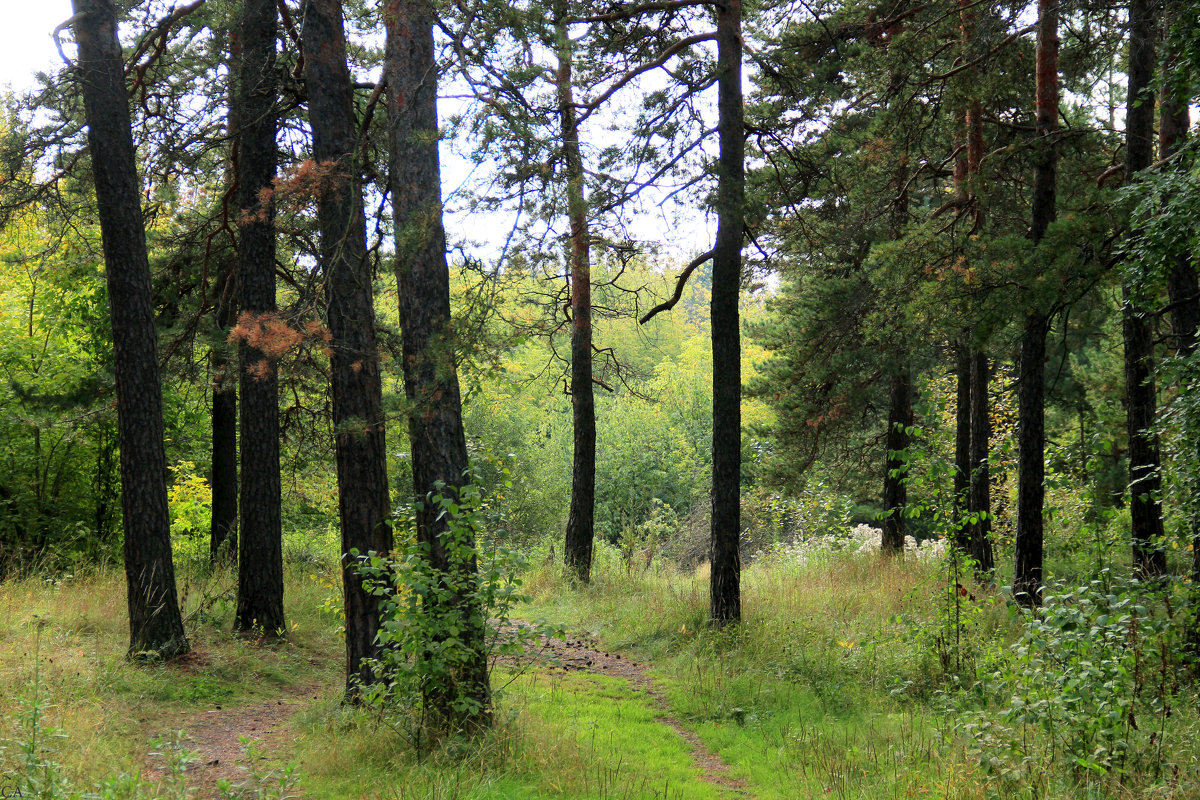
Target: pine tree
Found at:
x=155, y=623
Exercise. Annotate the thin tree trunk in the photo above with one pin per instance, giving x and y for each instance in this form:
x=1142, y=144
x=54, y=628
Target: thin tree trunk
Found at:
x=223, y=523
x=223, y=527
x=1141, y=407
x=439, y=451
x=1031, y=469
x=358, y=420
x=577, y=549
x=1031, y=434
x=725, y=604
x=155, y=623
x=980, y=502
x=962, y=445
x=260, y=550
x=895, y=481
x=1183, y=288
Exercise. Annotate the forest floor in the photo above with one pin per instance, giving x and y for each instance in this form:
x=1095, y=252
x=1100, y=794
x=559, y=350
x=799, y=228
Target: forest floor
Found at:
x=831, y=687
x=216, y=739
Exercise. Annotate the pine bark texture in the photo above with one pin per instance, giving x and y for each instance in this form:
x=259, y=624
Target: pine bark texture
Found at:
x=577, y=548
x=1031, y=395
x=357, y=388
x=260, y=545
x=223, y=527
x=725, y=603
x=895, y=486
x=979, y=499
x=224, y=480
x=1141, y=405
x=1183, y=288
x=962, y=444
x=439, y=451
x=155, y=624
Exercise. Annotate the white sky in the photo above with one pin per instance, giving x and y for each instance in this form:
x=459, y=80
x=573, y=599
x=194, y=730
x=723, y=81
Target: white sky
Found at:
x=25, y=43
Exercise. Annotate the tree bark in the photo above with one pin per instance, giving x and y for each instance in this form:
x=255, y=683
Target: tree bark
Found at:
x=979, y=500
x=962, y=445
x=577, y=548
x=1141, y=406
x=1183, y=288
x=357, y=389
x=895, y=481
x=223, y=524
x=155, y=623
x=439, y=452
x=223, y=529
x=725, y=603
x=1031, y=463
x=1031, y=435
x=260, y=547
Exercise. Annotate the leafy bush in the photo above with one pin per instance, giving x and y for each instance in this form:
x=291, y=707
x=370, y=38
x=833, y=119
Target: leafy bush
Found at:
x=1086, y=693
x=431, y=618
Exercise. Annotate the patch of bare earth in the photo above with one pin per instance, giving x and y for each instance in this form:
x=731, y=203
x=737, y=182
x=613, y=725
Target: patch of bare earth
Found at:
x=214, y=737
x=583, y=654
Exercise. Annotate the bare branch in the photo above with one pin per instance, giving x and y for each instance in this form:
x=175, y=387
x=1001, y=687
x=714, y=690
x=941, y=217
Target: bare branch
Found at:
x=680, y=282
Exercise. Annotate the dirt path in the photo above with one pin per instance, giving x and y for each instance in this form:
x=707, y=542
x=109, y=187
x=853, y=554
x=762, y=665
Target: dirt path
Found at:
x=583, y=654
x=214, y=736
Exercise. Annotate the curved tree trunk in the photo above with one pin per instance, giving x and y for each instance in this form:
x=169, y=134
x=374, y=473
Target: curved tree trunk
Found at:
x=439, y=450
x=357, y=389
x=260, y=545
x=155, y=623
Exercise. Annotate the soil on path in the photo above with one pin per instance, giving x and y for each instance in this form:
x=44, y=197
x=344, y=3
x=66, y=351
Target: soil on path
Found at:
x=214, y=739
x=583, y=654
x=214, y=736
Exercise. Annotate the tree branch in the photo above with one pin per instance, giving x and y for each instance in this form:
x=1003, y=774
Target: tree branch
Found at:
x=680, y=282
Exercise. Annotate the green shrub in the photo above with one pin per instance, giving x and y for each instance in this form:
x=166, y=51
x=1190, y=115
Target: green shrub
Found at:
x=431, y=618
x=1086, y=694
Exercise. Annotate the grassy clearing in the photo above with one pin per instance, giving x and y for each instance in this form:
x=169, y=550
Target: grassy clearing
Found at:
x=850, y=676
x=821, y=692
x=841, y=682
x=74, y=632
x=558, y=736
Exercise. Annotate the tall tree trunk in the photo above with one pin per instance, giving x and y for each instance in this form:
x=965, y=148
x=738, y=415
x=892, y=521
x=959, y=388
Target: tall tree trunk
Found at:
x=439, y=451
x=1183, y=288
x=1149, y=559
x=260, y=546
x=962, y=443
x=725, y=603
x=155, y=623
x=1031, y=433
x=577, y=549
x=979, y=500
x=223, y=523
x=895, y=481
x=358, y=420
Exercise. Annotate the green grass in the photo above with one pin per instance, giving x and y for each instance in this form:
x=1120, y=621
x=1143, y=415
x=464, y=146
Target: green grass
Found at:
x=823, y=689
x=557, y=736
x=839, y=682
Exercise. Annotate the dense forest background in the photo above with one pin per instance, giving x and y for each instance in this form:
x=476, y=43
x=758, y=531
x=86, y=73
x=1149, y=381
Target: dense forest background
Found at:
x=666, y=287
